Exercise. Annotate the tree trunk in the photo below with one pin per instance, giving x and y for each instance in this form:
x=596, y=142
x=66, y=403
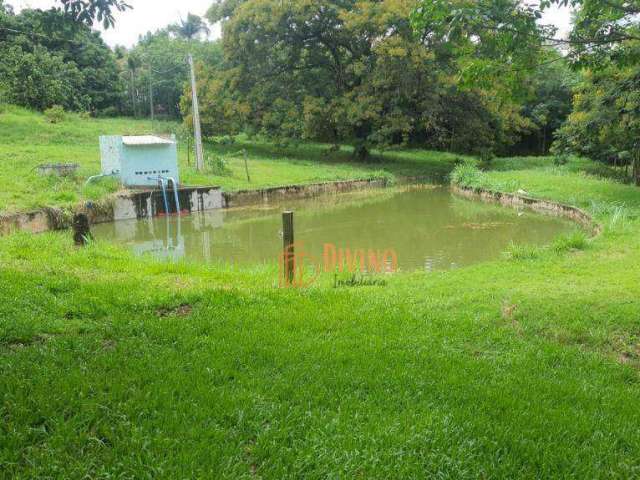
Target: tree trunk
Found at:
x=134, y=94
x=360, y=152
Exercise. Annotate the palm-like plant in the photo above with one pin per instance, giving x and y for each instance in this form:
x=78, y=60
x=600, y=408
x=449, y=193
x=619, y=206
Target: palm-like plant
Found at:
x=190, y=28
x=133, y=64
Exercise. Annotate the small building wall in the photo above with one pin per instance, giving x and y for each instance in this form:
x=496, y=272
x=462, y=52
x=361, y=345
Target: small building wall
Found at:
x=141, y=165
x=110, y=154
x=139, y=161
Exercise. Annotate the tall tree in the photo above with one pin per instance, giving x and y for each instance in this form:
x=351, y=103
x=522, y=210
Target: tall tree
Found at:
x=547, y=107
x=605, y=122
x=332, y=70
x=160, y=60
x=133, y=66
x=496, y=44
x=191, y=27
x=51, y=59
x=603, y=31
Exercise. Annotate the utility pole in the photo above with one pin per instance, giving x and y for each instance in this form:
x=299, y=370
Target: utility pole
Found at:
x=196, y=118
x=151, y=99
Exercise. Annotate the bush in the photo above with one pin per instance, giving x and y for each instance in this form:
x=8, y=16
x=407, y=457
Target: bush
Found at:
x=517, y=251
x=560, y=159
x=573, y=241
x=218, y=166
x=55, y=114
x=108, y=112
x=468, y=175
x=486, y=159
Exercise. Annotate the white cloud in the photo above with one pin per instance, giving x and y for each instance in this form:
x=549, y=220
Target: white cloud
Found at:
x=560, y=17
x=150, y=15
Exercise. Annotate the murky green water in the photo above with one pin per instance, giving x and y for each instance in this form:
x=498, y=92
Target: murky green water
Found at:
x=428, y=228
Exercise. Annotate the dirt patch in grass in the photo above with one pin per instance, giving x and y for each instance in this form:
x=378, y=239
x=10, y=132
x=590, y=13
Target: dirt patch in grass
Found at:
x=182, y=310
x=626, y=348
x=20, y=343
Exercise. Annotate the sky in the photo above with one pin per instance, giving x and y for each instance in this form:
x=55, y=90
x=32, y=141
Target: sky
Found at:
x=151, y=15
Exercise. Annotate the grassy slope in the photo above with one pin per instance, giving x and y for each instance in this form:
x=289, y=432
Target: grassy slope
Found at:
x=27, y=140
x=521, y=368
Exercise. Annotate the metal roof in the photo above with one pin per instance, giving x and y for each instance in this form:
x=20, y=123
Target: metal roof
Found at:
x=146, y=140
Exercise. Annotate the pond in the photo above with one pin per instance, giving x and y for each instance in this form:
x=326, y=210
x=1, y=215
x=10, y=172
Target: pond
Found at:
x=428, y=228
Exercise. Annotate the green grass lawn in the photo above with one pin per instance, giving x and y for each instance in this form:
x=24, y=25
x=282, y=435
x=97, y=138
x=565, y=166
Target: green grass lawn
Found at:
x=526, y=367
x=27, y=140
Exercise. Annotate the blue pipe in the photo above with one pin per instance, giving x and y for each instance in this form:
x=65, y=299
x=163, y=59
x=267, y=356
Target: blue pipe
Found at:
x=164, y=193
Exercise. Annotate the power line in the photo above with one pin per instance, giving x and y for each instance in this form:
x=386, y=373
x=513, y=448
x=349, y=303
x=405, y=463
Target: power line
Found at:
x=177, y=67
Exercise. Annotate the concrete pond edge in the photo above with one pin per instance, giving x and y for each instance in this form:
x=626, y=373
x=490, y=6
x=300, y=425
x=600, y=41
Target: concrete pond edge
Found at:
x=139, y=204
x=547, y=207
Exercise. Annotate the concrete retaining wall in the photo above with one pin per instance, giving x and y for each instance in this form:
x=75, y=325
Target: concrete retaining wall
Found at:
x=143, y=204
x=149, y=203
x=33, y=222
x=522, y=201
x=256, y=197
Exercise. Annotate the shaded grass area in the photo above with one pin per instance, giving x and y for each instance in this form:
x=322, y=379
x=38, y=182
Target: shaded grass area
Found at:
x=27, y=140
x=527, y=367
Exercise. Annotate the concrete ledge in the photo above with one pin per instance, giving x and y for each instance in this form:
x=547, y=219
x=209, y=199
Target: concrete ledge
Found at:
x=33, y=222
x=542, y=206
x=149, y=203
x=244, y=198
x=48, y=219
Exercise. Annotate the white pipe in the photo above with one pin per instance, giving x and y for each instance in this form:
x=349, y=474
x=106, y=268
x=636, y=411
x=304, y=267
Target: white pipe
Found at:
x=175, y=192
x=96, y=177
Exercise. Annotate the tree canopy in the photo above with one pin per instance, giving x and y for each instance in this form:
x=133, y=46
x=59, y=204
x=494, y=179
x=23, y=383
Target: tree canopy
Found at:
x=345, y=71
x=50, y=59
x=158, y=62
x=604, y=31
x=189, y=28
x=89, y=11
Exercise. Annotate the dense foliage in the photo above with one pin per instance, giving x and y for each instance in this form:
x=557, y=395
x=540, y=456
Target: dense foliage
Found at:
x=497, y=38
x=49, y=59
x=88, y=11
x=473, y=76
x=605, y=121
x=54, y=58
x=344, y=71
x=356, y=71
x=157, y=65
x=604, y=30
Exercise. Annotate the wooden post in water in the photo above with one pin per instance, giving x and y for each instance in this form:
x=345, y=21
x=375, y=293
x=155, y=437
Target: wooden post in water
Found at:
x=81, y=230
x=288, y=248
